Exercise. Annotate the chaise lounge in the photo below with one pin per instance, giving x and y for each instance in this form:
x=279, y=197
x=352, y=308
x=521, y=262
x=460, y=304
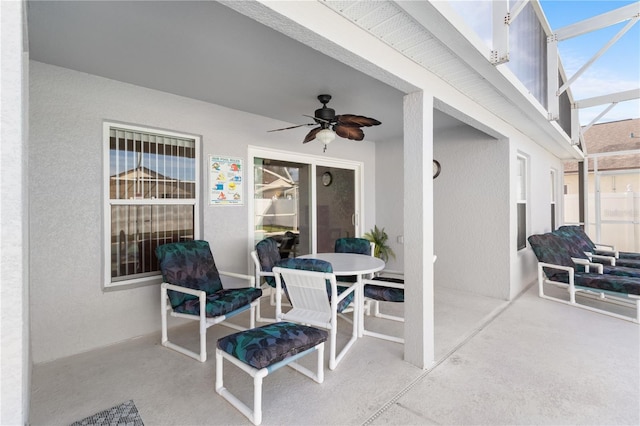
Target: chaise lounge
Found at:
x=557, y=267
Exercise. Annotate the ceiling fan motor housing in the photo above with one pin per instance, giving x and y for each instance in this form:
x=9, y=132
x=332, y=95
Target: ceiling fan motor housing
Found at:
x=326, y=115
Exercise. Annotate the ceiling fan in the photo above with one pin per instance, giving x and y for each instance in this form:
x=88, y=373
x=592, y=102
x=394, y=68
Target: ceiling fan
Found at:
x=347, y=126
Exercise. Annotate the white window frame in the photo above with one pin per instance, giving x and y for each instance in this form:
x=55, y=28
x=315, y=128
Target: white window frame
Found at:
x=522, y=196
x=554, y=197
x=107, y=281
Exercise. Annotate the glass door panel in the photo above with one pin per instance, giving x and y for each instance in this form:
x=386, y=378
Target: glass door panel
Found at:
x=336, y=207
x=282, y=198
x=300, y=217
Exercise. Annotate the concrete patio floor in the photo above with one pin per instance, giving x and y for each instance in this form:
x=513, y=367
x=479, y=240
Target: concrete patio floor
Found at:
x=531, y=361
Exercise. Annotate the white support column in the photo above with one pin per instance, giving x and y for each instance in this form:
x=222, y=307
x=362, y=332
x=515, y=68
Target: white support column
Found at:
x=553, y=101
x=418, y=229
x=501, y=19
x=15, y=368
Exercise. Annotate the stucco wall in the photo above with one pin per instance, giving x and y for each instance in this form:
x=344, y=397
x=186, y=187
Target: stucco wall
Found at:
x=70, y=311
x=390, y=199
x=471, y=209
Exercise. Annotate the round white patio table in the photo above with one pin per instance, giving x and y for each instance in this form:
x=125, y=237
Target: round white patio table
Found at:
x=347, y=264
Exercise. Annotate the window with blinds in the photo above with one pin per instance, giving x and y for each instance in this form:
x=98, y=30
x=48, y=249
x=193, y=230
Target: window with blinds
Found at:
x=521, y=200
x=152, y=186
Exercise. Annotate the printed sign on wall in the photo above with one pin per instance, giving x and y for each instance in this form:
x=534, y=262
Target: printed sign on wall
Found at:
x=225, y=181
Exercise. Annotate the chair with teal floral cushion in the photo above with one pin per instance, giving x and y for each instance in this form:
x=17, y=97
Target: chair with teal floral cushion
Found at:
x=557, y=267
x=356, y=246
x=192, y=286
x=264, y=257
x=316, y=299
x=388, y=286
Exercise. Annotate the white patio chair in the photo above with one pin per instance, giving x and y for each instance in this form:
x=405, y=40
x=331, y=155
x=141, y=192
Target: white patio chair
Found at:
x=315, y=299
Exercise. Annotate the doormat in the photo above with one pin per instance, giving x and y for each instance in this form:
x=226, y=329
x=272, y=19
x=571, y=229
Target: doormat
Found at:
x=123, y=414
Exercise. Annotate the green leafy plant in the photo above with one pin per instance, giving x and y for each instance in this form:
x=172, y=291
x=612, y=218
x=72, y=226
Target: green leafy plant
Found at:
x=380, y=238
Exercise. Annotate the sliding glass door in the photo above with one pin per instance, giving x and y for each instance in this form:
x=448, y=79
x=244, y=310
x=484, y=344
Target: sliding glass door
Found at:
x=304, y=205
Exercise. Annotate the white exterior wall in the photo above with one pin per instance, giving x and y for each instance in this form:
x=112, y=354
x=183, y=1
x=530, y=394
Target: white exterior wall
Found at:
x=471, y=207
x=70, y=311
x=390, y=199
x=540, y=163
x=15, y=363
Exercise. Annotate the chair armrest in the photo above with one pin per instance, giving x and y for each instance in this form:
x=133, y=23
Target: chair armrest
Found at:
x=605, y=247
x=583, y=262
x=609, y=259
x=250, y=278
x=185, y=290
x=350, y=289
x=569, y=269
x=588, y=265
x=608, y=250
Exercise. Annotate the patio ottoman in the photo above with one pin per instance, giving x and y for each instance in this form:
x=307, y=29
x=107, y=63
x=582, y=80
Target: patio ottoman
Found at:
x=262, y=350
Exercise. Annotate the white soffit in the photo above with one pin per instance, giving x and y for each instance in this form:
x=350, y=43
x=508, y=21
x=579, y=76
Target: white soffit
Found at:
x=391, y=23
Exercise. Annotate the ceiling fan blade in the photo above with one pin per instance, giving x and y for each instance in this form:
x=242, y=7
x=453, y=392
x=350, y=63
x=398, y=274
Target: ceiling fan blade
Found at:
x=349, y=132
x=318, y=119
x=311, y=135
x=292, y=127
x=356, y=120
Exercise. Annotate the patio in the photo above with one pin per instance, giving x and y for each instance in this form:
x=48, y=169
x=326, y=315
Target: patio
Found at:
x=530, y=362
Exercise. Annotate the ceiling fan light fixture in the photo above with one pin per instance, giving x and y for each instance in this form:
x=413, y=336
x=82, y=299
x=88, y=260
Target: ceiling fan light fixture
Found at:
x=326, y=136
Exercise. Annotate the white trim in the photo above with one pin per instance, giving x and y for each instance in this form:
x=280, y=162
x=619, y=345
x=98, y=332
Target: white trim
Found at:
x=524, y=200
x=554, y=196
x=107, y=282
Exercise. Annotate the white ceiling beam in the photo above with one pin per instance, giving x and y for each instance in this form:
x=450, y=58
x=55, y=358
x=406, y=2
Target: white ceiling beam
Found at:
x=604, y=20
x=607, y=99
x=606, y=47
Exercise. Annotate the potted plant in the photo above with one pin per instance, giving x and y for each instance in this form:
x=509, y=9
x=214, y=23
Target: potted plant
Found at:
x=380, y=238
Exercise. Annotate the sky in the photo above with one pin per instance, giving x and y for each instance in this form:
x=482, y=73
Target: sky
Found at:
x=615, y=71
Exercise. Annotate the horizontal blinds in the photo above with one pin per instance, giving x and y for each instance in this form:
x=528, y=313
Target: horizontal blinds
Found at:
x=126, y=140
x=151, y=166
